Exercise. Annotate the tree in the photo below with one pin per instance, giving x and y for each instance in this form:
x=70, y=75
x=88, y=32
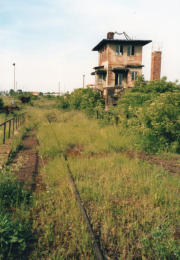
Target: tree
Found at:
x=12, y=92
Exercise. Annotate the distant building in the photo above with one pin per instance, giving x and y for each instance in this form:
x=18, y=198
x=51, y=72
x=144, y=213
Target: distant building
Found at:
x=119, y=64
x=55, y=94
x=34, y=93
x=91, y=85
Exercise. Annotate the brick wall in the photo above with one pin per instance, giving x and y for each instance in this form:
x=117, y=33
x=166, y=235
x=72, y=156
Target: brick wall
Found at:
x=124, y=60
x=156, y=65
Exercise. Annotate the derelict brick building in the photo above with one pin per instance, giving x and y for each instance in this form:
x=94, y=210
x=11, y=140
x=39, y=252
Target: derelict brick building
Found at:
x=119, y=64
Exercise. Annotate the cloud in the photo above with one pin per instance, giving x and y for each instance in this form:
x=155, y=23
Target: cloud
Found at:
x=51, y=40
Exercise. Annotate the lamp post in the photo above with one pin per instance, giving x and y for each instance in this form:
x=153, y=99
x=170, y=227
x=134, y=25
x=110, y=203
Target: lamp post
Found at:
x=83, y=80
x=59, y=85
x=14, y=64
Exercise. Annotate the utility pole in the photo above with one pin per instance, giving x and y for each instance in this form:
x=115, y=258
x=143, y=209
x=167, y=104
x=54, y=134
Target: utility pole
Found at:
x=59, y=87
x=83, y=80
x=14, y=64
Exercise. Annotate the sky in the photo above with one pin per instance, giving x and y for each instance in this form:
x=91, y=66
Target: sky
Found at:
x=51, y=41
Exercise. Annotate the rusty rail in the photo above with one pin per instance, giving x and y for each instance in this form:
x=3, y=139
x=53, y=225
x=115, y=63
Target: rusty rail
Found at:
x=96, y=245
x=11, y=125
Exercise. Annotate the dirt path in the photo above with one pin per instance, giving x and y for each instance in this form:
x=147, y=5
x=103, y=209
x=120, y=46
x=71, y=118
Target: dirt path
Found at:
x=25, y=163
x=172, y=165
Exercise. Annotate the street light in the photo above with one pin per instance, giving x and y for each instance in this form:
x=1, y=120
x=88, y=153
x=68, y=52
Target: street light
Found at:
x=59, y=85
x=83, y=80
x=14, y=64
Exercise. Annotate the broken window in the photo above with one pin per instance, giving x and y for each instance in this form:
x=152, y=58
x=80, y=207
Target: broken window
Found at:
x=131, y=50
x=134, y=75
x=119, y=50
x=118, y=79
x=101, y=77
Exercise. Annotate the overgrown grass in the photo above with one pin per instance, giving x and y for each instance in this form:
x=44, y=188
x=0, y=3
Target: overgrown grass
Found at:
x=15, y=221
x=15, y=228
x=133, y=206
x=71, y=128
x=58, y=224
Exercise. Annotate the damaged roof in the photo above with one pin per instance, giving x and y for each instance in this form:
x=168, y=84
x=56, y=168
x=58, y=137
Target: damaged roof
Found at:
x=125, y=42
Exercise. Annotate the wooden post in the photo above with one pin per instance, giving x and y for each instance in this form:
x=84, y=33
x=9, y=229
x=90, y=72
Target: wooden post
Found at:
x=13, y=126
x=16, y=121
x=9, y=134
x=4, y=136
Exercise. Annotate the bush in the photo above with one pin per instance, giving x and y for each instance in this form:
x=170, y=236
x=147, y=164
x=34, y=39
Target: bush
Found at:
x=81, y=99
x=15, y=231
x=14, y=238
x=152, y=109
x=157, y=86
x=1, y=103
x=63, y=102
x=162, y=121
x=156, y=243
x=25, y=99
x=12, y=194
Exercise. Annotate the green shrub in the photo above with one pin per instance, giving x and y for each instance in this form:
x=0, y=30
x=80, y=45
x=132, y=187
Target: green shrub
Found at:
x=157, y=86
x=152, y=110
x=81, y=99
x=63, y=102
x=1, y=103
x=160, y=122
x=14, y=238
x=12, y=194
x=156, y=244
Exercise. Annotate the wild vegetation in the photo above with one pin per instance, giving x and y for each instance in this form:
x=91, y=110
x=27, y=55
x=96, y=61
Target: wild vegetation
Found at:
x=15, y=200
x=1, y=103
x=86, y=100
x=150, y=112
x=132, y=204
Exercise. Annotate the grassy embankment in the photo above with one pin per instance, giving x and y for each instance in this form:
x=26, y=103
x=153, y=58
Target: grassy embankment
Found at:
x=133, y=206
x=15, y=200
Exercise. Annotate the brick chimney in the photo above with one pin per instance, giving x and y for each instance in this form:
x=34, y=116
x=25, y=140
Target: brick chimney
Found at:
x=156, y=65
x=110, y=35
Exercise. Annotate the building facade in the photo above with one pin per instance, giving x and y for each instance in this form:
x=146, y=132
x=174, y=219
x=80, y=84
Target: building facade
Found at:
x=119, y=64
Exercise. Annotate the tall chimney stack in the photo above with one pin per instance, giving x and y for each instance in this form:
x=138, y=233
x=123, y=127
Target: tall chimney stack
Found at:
x=156, y=65
x=110, y=35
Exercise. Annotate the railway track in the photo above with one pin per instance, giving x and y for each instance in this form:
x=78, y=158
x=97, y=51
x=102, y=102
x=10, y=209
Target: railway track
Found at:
x=95, y=242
